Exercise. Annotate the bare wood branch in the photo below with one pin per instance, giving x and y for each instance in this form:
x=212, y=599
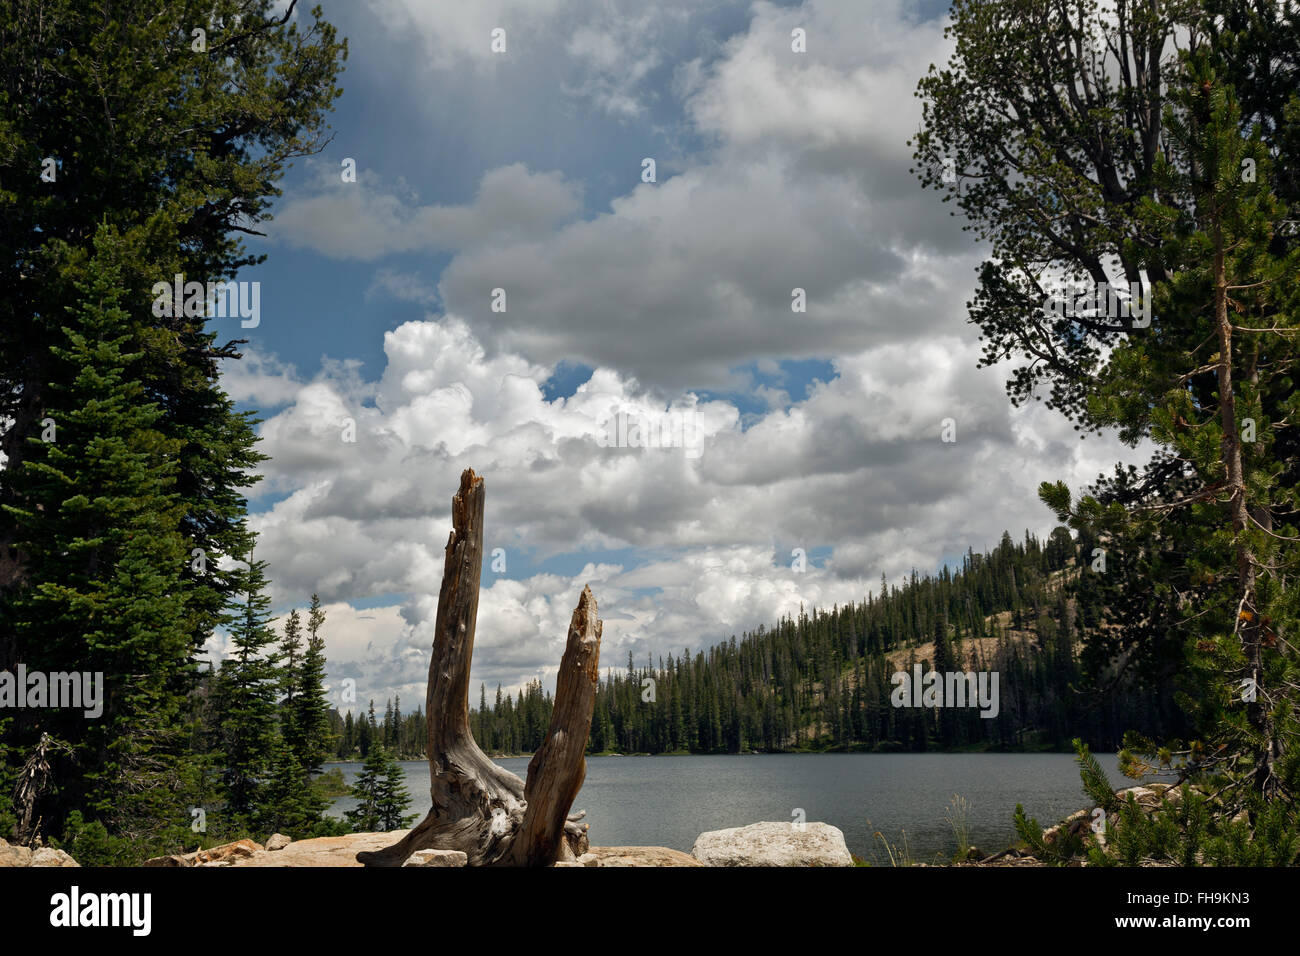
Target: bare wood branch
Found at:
x=477, y=806
x=559, y=766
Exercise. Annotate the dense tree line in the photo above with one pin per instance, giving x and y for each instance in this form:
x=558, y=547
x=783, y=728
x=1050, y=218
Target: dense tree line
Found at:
x=403, y=736
x=823, y=680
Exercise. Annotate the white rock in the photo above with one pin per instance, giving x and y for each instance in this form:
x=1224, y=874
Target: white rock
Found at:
x=437, y=858
x=773, y=844
x=48, y=856
x=278, y=841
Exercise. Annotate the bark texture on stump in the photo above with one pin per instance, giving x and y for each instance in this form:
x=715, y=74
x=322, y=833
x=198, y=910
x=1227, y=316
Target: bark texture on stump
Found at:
x=478, y=807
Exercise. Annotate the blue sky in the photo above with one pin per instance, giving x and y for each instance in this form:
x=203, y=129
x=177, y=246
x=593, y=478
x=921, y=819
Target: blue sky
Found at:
x=666, y=302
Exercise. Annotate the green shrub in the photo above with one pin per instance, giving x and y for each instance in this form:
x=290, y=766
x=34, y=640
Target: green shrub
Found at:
x=90, y=843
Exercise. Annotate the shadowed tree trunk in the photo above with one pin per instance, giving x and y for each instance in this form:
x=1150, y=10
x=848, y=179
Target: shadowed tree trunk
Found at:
x=478, y=807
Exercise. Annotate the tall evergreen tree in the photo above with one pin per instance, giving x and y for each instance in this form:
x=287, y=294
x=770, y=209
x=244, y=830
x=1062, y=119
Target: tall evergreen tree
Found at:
x=290, y=679
x=102, y=553
x=248, y=688
x=287, y=804
x=392, y=798
x=1232, y=279
x=348, y=743
x=381, y=794
x=312, y=742
x=178, y=194
x=365, y=731
x=1145, y=172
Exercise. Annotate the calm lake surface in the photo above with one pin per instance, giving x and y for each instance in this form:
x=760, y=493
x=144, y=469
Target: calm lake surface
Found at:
x=669, y=801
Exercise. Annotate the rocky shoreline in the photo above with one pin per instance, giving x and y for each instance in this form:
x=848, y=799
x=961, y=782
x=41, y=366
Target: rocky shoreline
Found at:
x=781, y=844
x=759, y=844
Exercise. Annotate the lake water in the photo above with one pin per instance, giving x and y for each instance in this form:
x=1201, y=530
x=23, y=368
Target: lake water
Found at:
x=669, y=801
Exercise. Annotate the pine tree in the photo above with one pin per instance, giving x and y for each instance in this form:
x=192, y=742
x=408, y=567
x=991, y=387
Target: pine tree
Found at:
x=1232, y=277
x=287, y=804
x=392, y=798
x=248, y=686
x=365, y=736
x=103, y=557
x=364, y=817
x=348, y=743
x=381, y=794
x=177, y=194
x=311, y=710
x=1200, y=547
x=484, y=731
x=127, y=169
x=290, y=679
x=1216, y=539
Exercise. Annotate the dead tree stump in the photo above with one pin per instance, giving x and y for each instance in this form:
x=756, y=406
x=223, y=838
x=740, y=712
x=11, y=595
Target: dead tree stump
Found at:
x=478, y=807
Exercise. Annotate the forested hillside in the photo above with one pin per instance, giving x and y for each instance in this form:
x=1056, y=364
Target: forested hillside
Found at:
x=822, y=680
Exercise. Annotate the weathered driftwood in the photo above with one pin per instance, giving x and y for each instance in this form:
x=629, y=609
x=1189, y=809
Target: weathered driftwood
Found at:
x=33, y=783
x=478, y=807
